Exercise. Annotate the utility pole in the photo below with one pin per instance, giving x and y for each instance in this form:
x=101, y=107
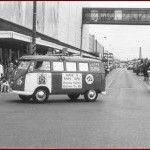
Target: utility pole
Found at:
x=140, y=53
x=81, y=39
x=103, y=53
x=81, y=34
x=33, y=49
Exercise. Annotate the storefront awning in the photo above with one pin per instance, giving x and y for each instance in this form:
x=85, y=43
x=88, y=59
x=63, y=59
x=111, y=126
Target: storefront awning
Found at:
x=25, y=38
x=16, y=34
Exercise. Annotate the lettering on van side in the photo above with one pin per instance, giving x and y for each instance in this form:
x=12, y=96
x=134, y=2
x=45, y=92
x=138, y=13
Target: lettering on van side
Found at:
x=71, y=80
x=94, y=66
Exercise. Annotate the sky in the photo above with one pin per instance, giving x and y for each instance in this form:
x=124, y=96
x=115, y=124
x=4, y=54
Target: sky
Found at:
x=123, y=41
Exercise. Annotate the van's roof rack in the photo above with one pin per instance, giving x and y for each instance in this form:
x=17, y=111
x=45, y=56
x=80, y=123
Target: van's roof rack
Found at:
x=69, y=55
x=61, y=54
x=75, y=55
x=57, y=54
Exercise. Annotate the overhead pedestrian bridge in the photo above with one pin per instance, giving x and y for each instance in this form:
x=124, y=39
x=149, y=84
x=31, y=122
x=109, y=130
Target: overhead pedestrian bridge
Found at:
x=121, y=16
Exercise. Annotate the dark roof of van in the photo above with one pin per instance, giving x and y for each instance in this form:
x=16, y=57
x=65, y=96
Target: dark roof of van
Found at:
x=56, y=58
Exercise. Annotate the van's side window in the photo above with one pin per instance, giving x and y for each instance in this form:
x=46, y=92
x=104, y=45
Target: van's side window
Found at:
x=42, y=65
x=83, y=67
x=46, y=66
x=24, y=64
x=71, y=66
x=58, y=66
x=31, y=68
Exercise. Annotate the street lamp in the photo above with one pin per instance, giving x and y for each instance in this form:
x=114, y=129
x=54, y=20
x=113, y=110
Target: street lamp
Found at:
x=104, y=37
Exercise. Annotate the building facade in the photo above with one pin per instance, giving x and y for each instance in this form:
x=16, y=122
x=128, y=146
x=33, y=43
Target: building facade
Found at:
x=91, y=43
x=95, y=46
x=109, y=57
x=58, y=23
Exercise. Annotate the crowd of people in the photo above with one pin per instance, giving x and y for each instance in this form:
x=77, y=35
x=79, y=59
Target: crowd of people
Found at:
x=6, y=75
x=143, y=66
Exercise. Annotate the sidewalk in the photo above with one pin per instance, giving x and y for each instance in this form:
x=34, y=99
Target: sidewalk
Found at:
x=147, y=83
x=6, y=93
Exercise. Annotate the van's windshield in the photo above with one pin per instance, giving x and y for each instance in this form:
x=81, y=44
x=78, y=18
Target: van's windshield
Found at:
x=23, y=64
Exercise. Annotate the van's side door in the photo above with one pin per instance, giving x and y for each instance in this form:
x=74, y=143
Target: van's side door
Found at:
x=57, y=70
x=65, y=78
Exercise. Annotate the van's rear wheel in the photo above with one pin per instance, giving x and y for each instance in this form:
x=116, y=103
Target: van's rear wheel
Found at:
x=73, y=96
x=90, y=95
x=25, y=98
x=40, y=95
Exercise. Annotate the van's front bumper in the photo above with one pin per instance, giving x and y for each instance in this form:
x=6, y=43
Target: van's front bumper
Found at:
x=21, y=92
x=103, y=93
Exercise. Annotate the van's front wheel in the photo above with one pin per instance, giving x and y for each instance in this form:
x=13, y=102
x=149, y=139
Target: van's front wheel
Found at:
x=40, y=95
x=90, y=95
x=73, y=96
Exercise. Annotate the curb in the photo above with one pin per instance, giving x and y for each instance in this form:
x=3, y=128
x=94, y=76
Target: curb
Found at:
x=5, y=94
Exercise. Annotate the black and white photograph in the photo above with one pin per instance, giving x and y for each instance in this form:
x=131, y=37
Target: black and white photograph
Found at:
x=74, y=74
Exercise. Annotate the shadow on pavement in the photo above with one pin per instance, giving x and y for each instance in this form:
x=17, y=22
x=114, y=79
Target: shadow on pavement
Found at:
x=52, y=101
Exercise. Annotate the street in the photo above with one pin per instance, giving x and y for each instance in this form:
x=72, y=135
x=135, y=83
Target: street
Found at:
x=119, y=119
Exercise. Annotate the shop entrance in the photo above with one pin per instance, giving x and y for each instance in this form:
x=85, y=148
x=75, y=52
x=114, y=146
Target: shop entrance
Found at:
x=11, y=50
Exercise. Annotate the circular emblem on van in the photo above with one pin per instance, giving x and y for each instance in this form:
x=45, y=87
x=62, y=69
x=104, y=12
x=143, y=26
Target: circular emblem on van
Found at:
x=89, y=79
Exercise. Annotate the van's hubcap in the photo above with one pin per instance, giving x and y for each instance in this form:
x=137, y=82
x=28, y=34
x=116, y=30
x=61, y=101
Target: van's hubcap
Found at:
x=40, y=95
x=92, y=94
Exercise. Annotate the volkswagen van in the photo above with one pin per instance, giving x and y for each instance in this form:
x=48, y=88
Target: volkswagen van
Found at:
x=38, y=76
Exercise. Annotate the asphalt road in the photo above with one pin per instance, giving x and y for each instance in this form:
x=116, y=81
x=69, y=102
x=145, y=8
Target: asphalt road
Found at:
x=119, y=119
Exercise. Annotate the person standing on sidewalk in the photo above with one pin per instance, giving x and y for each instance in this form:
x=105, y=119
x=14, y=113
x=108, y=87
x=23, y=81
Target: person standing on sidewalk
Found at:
x=9, y=72
x=148, y=70
x=4, y=85
x=1, y=69
x=145, y=69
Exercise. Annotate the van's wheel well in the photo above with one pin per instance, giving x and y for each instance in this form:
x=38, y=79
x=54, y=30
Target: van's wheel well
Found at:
x=41, y=94
x=43, y=87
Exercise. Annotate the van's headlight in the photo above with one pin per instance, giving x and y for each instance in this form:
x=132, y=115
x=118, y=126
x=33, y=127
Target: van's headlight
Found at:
x=19, y=81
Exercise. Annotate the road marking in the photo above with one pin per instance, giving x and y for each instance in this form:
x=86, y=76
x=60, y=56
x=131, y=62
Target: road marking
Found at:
x=145, y=83
x=141, y=81
x=124, y=88
x=147, y=86
x=109, y=84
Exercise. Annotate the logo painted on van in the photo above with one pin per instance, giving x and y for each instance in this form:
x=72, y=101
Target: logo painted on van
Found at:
x=89, y=79
x=42, y=79
x=71, y=80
